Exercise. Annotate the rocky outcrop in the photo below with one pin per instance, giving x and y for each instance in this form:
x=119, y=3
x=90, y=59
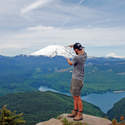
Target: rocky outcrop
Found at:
x=87, y=120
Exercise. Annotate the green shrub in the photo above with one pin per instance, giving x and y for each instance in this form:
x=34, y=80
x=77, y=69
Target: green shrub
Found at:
x=10, y=118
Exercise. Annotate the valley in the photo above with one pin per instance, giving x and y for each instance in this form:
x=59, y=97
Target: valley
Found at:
x=26, y=73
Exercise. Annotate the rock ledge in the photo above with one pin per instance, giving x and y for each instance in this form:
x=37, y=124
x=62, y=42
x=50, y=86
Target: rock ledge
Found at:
x=88, y=119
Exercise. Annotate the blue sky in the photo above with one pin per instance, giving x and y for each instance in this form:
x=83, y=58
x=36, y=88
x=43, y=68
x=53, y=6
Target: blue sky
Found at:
x=29, y=25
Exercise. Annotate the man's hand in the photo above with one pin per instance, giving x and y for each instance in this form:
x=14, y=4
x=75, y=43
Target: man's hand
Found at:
x=69, y=62
x=71, y=46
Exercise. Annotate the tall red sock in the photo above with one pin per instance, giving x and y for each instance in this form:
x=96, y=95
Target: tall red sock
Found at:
x=75, y=103
x=80, y=105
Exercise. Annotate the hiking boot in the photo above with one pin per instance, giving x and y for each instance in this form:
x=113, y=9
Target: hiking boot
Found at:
x=73, y=114
x=78, y=117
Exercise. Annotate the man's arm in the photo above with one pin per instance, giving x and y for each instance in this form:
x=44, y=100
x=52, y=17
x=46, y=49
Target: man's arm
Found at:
x=69, y=62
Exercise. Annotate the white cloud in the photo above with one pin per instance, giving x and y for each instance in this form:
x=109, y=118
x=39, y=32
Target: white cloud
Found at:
x=34, y=38
x=37, y=4
x=81, y=1
x=40, y=28
x=43, y=36
x=37, y=23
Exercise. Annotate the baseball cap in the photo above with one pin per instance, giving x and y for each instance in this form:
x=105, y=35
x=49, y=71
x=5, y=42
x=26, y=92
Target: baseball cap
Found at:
x=78, y=46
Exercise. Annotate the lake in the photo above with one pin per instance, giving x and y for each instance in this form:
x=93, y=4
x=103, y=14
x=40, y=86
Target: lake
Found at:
x=104, y=101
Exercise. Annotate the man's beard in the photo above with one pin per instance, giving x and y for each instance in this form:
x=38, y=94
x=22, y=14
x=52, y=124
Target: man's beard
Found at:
x=76, y=53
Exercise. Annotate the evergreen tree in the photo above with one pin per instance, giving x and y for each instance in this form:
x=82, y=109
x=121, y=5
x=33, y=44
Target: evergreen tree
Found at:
x=10, y=118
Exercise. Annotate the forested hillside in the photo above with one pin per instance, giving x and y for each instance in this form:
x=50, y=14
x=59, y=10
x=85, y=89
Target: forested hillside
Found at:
x=118, y=110
x=40, y=106
x=27, y=73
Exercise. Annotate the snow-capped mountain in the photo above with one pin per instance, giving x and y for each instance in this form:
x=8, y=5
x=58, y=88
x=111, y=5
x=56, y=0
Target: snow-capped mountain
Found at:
x=114, y=55
x=65, y=51
x=55, y=50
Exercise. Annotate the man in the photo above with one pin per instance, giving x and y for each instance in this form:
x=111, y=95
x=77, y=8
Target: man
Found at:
x=77, y=79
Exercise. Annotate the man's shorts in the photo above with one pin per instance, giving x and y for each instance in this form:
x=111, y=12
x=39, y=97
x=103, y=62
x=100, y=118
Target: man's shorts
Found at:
x=76, y=86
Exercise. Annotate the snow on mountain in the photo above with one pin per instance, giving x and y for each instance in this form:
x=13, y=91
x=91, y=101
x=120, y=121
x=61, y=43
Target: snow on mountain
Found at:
x=114, y=55
x=55, y=50
x=58, y=50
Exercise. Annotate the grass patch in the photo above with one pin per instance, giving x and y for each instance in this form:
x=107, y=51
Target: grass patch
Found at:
x=66, y=122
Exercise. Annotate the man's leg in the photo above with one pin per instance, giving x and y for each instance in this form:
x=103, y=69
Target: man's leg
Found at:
x=74, y=112
x=80, y=109
x=80, y=105
x=75, y=103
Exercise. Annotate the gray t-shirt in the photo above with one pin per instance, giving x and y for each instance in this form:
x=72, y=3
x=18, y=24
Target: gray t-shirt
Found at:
x=78, y=63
